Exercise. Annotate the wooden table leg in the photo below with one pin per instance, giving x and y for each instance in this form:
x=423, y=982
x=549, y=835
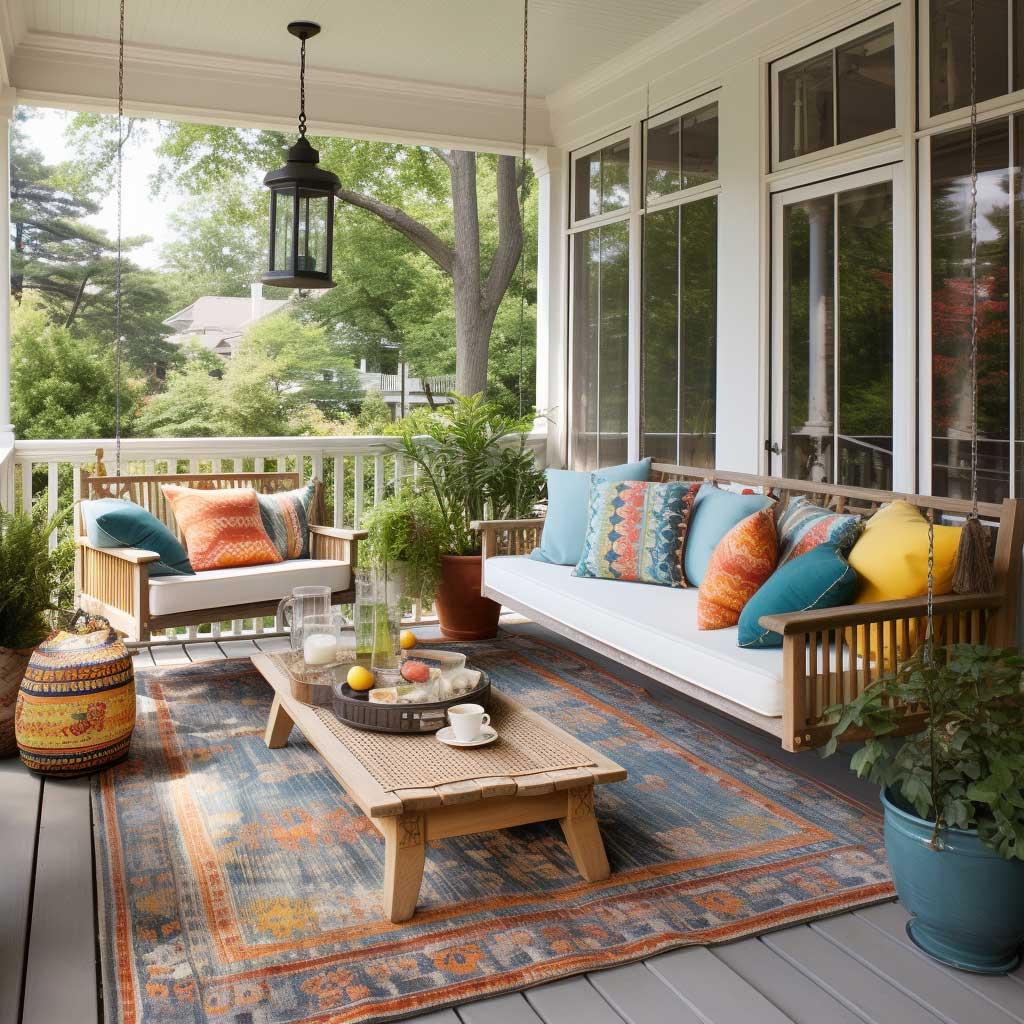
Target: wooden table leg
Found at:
x=279, y=725
x=404, y=854
x=583, y=835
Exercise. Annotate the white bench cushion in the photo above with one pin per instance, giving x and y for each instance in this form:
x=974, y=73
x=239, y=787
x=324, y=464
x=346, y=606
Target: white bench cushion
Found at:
x=222, y=588
x=658, y=625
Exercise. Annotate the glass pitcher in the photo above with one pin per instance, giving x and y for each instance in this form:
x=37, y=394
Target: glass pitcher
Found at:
x=303, y=602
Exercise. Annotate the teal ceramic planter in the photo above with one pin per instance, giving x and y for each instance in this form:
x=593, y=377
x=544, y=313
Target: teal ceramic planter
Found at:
x=966, y=902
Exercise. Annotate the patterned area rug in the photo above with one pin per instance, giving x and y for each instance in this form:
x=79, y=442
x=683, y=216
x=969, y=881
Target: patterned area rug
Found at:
x=239, y=884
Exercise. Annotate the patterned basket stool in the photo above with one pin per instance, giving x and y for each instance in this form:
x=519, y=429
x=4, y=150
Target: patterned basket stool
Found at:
x=76, y=708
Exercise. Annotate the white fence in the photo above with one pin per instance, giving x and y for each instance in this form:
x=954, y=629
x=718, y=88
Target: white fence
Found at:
x=357, y=471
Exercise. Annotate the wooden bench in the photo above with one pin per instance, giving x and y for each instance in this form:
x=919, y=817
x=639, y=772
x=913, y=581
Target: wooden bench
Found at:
x=114, y=582
x=820, y=659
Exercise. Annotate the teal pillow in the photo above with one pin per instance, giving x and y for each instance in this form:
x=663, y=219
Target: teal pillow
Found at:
x=113, y=523
x=820, y=578
x=715, y=513
x=565, y=526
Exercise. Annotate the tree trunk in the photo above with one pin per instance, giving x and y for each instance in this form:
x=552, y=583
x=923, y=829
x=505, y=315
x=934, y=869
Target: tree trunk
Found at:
x=476, y=299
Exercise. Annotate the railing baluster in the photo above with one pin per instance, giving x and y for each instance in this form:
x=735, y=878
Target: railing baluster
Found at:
x=378, y=479
x=357, y=499
x=52, y=477
x=26, y=485
x=339, y=490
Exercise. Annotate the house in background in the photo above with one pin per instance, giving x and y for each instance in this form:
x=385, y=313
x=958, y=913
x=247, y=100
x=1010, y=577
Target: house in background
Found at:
x=218, y=322
x=402, y=392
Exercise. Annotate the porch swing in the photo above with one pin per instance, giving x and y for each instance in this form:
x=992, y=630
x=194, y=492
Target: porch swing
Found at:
x=115, y=582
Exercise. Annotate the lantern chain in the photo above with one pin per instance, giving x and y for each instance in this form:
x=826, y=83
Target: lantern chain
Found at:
x=522, y=208
x=118, y=339
x=974, y=267
x=302, y=89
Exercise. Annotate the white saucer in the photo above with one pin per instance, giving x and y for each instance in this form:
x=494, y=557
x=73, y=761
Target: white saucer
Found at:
x=447, y=736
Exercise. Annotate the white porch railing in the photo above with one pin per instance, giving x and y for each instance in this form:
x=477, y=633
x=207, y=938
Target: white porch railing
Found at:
x=357, y=472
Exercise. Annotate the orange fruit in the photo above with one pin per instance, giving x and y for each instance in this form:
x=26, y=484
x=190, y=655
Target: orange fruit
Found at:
x=360, y=678
x=407, y=640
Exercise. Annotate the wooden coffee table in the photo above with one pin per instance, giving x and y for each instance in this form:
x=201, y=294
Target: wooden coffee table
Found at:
x=409, y=818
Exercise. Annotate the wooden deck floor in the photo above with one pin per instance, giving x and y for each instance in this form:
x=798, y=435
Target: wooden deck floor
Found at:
x=857, y=967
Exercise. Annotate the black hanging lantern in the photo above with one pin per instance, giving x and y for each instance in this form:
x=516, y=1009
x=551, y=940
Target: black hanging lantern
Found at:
x=301, y=203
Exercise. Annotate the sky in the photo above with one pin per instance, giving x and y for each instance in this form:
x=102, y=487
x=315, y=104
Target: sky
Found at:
x=142, y=214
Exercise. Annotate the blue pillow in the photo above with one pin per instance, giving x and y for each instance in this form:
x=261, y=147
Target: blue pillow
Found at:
x=565, y=526
x=113, y=523
x=820, y=578
x=715, y=513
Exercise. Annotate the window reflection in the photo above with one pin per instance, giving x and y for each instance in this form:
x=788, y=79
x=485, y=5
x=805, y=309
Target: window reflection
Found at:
x=600, y=346
x=951, y=312
x=679, y=336
x=602, y=181
x=837, y=371
x=949, y=37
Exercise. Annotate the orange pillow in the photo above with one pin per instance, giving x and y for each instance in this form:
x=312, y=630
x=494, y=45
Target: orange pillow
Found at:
x=745, y=557
x=222, y=528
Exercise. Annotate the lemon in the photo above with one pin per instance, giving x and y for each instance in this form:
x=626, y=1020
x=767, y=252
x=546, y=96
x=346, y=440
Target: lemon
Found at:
x=407, y=640
x=360, y=678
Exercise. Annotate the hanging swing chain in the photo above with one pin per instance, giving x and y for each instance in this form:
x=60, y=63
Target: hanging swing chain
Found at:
x=522, y=208
x=974, y=271
x=302, y=89
x=118, y=340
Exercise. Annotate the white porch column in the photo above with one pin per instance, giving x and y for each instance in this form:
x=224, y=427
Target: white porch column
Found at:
x=552, y=297
x=7, y=104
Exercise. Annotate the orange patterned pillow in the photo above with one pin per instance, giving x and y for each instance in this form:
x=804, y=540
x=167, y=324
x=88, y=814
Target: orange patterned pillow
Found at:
x=745, y=557
x=222, y=528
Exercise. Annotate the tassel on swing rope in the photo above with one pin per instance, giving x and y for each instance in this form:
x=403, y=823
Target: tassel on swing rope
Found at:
x=973, y=570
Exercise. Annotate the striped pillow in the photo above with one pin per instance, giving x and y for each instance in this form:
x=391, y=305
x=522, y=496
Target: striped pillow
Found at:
x=804, y=525
x=222, y=528
x=285, y=517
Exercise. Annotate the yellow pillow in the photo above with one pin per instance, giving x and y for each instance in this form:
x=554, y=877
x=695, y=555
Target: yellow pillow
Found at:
x=891, y=555
x=891, y=558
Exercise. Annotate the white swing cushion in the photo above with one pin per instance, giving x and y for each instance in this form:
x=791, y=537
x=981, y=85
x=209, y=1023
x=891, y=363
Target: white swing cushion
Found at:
x=253, y=584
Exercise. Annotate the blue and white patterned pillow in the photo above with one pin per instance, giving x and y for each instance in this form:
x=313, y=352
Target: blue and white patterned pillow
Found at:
x=635, y=532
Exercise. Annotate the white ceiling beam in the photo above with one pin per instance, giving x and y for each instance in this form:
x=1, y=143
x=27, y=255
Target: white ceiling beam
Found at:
x=81, y=74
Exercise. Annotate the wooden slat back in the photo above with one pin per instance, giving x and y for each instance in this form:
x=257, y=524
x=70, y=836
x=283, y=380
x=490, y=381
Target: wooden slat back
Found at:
x=146, y=490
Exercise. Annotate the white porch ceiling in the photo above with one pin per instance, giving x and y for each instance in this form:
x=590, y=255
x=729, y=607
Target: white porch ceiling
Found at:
x=472, y=44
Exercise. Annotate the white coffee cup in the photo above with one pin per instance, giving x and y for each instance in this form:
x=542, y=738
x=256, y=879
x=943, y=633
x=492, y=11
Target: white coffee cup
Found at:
x=467, y=720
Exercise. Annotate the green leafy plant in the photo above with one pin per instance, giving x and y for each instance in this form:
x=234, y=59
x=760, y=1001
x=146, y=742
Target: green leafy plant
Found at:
x=965, y=768
x=29, y=576
x=475, y=462
x=407, y=530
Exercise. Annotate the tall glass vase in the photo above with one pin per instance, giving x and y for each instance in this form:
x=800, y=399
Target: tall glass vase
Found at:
x=365, y=614
x=387, y=622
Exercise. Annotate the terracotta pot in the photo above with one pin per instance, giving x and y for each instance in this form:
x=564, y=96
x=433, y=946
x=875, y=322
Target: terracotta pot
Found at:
x=13, y=662
x=462, y=612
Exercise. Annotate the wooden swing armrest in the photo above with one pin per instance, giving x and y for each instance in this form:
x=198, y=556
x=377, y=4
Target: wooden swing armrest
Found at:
x=508, y=536
x=138, y=556
x=335, y=543
x=792, y=623
x=340, y=532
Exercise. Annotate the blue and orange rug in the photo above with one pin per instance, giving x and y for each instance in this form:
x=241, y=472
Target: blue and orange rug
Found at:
x=239, y=884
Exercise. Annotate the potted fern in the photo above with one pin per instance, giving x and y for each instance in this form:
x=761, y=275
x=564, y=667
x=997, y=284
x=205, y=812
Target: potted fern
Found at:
x=29, y=577
x=475, y=464
x=404, y=537
x=953, y=795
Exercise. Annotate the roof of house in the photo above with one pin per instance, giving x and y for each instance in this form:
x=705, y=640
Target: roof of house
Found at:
x=215, y=320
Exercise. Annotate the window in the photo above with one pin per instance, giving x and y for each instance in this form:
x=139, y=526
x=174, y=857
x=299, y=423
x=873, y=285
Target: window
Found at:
x=602, y=181
x=600, y=346
x=1000, y=67
x=680, y=279
x=682, y=152
x=834, y=337
x=679, y=337
x=951, y=399
x=844, y=92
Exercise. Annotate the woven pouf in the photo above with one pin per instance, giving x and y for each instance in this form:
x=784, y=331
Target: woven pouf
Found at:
x=76, y=708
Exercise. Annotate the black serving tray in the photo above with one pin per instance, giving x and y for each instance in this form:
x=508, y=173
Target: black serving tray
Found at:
x=353, y=707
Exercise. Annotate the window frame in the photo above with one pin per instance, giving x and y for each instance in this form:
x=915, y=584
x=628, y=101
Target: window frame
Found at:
x=891, y=16
x=904, y=353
